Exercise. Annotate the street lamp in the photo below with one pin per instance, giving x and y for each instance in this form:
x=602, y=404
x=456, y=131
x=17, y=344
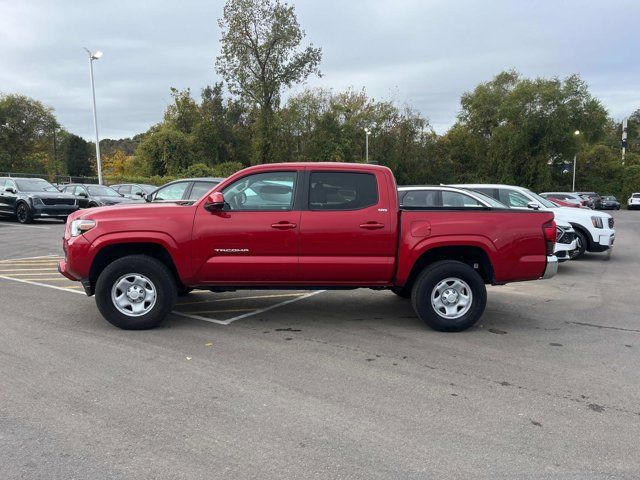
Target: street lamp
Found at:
x=573, y=185
x=95, y=56
x=367, y=132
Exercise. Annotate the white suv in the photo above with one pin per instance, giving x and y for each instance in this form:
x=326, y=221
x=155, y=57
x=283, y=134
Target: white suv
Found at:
x=634, y=201
x=595, y=231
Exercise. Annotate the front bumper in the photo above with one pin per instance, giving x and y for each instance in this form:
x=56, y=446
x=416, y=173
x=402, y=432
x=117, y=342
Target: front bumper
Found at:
x=562, y=250
x=604, y=241
x=552, y=267
x=55, y=211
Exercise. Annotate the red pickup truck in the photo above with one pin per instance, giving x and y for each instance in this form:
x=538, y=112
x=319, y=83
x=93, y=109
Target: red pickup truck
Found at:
x=304, y=226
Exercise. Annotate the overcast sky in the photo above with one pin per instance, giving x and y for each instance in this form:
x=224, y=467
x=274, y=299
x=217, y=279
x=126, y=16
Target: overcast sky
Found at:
x=419, y=52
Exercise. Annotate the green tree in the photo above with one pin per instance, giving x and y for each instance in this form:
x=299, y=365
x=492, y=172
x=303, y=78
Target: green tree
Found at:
x=26, y=133
x=261, y=55
x=165, y=151
x=520, y=130
x=76, y=156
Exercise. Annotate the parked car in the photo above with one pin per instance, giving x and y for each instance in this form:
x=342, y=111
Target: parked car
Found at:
x=29, y=198
x=444, y=197
x=594, y=200
x=186, y=189
x=337, y=226
x=634, y=201
x=595, y=231
x=566, y=199
x=134, y=191
x=609, y=202
x=92, y=195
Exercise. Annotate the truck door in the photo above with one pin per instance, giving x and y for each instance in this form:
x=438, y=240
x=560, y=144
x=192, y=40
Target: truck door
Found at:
x=346, y=230
x=254, y=239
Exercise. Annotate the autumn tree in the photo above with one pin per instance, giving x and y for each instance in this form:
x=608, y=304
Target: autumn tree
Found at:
x=262, y=54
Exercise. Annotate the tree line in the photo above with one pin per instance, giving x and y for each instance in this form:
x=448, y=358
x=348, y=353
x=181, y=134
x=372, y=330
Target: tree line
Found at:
x=509, y=129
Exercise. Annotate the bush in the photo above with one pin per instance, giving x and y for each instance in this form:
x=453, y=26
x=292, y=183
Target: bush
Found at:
x=199, y=170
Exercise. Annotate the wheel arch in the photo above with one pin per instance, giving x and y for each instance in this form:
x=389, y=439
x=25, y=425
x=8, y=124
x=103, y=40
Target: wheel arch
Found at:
x=579, y=228
x=472, y=255
x=114, y=251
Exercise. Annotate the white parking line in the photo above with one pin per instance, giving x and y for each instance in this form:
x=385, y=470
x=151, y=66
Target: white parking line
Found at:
x=40, y=284
x=250, y=314
x=41, y=257
x=23, y=226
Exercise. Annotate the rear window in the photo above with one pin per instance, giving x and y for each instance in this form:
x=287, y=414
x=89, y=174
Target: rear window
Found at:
x=342, y=191
x=636, y=195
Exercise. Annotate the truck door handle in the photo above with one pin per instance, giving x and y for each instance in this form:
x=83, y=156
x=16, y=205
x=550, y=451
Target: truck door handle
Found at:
x=283, y=225
x=372, y=225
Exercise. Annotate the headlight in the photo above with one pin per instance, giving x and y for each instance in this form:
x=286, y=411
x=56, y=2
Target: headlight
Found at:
x=597, y=222
x=37, y=201
x=78, y=227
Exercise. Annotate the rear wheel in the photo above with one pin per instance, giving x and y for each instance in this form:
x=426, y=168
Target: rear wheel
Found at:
x=135, y=292
x=23, y=213
x=449, y=296
x=581, y=245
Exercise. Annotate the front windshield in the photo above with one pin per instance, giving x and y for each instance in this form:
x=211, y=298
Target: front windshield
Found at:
x=542, y=201
x=609, y=197
x=102, y=191
x=35, y=185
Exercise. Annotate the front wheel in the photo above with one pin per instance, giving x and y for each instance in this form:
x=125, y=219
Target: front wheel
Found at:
x=581, y=246
x=449, y=296
x=135, y=292
x=23, y=213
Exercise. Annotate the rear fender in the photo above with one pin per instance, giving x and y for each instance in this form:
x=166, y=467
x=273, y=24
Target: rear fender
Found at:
x=410, y=255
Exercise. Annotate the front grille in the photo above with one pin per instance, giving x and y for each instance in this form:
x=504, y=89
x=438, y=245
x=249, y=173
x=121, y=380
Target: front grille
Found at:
x=58, y=201
x=611, y=222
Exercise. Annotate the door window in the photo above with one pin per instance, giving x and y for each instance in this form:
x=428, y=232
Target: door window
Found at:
x=342, y=191
x=175, y=191
x=270, y=191
x=516, y=199
x=458, y=200
x=124, y=189
x=421, y=198
x=10, y=183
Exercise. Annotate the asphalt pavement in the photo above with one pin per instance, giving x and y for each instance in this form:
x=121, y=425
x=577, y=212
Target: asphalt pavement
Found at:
x=334, y=385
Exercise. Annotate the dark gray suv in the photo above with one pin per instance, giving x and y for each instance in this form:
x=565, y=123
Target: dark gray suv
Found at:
x=29, y=198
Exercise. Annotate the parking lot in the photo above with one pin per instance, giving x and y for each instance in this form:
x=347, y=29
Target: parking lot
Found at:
x=322, y=384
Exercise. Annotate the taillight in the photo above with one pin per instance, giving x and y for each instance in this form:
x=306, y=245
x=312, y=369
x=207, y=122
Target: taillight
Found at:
x=550, y=234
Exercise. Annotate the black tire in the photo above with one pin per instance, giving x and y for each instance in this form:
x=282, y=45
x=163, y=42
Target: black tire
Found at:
x=23, y=213
x=158, y=275
x=426, y=283
x=184, y=291
x=404, y=292
x=582, y=243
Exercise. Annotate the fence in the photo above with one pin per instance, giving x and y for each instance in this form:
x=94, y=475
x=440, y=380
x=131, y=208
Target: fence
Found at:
x=59, y=179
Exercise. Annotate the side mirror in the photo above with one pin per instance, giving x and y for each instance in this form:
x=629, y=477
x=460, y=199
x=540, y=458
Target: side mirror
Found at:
x=10, y=190
x=534, y=205
x=140, y=194
x=83, y=195
x=214, y=202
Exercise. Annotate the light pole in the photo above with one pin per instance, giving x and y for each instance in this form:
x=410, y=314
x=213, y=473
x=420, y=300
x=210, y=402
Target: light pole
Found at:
x=573, y=185
x=367, y=132
x=92, y=57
